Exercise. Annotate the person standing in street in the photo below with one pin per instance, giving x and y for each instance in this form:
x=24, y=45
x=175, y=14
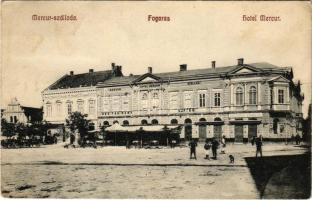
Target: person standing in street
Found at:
x=207, y=148
x=223, y=143
x=258, y=146
x=214, y=148
x=193, y=145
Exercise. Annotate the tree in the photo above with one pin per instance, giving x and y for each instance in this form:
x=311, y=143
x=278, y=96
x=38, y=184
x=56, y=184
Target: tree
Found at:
x=78, y=121
x=7, y=129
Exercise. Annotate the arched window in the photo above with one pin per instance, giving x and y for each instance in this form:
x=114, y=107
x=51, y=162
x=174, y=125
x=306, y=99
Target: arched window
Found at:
x=154, y=121
x=114, y=122
x=144, y=122
x=174, y=121
x=155, y=95
x=11, y=119
x=252, y=95
x=105, y=123
x=15, y=119
x=239, y=96
x=187, y=121
x=217, y=119
x=125, y=122
x=91, y=126
x=202, y=119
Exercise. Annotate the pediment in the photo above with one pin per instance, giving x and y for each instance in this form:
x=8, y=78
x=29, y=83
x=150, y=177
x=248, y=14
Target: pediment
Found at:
x=148, y=79
x=244, y=69
x=279, y=79
x=145, y=78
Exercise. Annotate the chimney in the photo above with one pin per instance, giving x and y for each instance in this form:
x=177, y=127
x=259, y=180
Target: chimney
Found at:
x=240, y=61
x=91, y=70
x=150, y=70
x=71, y=73
x=213, y=64
x=183, y=67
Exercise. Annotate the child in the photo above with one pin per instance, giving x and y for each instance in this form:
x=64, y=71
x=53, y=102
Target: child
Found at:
x=207, y=148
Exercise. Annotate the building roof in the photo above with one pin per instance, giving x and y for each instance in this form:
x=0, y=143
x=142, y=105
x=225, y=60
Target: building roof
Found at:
x=107, y=78
x=194, y=73
x=81, y=80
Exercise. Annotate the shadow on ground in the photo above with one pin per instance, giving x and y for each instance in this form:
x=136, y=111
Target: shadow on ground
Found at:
x=282, y=176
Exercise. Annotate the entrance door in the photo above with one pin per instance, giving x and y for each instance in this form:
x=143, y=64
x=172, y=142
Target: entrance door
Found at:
x=217, y=132
x=202, y=132
x=239, y=133
x=188, y=132
x=252, y=131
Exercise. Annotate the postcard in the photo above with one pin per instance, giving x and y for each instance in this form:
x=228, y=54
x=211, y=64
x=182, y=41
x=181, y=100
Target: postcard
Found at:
x=156, y=99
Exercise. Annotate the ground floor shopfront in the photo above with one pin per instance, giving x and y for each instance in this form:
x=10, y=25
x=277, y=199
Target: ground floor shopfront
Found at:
x=236, y=127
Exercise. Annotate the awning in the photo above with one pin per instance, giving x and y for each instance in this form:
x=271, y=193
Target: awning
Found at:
x=152, y=128
x=210, y=123
x=116, y=128
x=93, y=131
x=244, y=122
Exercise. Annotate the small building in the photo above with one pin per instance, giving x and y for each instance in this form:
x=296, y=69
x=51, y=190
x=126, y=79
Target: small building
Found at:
x=15, y=112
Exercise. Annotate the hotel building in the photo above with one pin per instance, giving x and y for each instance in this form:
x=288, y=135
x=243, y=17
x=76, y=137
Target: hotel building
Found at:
x=239, y=101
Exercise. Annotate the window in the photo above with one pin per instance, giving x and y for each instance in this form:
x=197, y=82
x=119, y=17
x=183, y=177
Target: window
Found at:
x=11, y=119
x=80, y=106
x=174, y=121
x=106, y=104
x=155, y=101
x=116, y=103
x=144, y=101
x=173, y=100
x=217, y=99
x=187, y=99
x=144, y=96
x=49, y=110
x=252, y=95
x=154, y=121
x=239, y=96
x=58, y=108
x=280, y=96
x=125, y=103
x=69, y=108
x=202, y=100
x=91, y=106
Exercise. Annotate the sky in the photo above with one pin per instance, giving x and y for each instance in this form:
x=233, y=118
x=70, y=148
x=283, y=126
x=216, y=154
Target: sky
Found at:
x=36, y=53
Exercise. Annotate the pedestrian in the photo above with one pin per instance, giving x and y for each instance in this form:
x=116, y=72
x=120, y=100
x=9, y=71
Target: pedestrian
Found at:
x=193, y=145
x=253, y=139
x=297, y=139
x=72, y=138
x=214, y=147
x=207, y=148
x=258, y=146
x=223, y=144
x=292, y=138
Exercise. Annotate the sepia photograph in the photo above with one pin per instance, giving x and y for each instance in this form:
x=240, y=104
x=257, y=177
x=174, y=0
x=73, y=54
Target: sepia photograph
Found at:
x=156, y=99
